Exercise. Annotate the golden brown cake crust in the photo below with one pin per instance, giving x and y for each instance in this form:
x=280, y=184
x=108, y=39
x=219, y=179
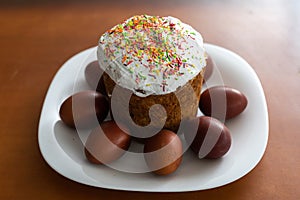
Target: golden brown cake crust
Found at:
x=139, y=106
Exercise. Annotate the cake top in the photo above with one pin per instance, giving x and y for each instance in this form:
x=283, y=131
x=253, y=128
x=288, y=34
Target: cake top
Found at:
x=151, y=55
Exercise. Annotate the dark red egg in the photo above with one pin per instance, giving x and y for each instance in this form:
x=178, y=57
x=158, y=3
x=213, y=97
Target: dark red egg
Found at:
x=222, y=102
x=93, y=75
x=208, y=68
x=84, y=109
x=212, y=139
x=106, y=143
x=163, y=152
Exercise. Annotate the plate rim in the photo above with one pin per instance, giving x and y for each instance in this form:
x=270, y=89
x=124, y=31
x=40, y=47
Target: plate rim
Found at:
x=53, y=166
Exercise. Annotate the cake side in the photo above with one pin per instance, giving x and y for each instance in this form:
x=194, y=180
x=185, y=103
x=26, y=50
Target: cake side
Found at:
x=179, y=105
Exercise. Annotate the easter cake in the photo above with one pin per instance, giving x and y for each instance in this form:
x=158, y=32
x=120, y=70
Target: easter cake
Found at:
x=158, y=60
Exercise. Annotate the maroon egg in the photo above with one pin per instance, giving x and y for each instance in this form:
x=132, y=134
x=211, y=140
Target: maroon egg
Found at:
x=163, y=152
x=106, y=143
x=208, y=68
x=84, y=109
x=212, y=139
x=93, y=75
x=222, y=102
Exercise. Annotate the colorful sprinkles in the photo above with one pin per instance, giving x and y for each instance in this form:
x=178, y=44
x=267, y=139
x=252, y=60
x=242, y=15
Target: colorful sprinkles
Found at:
x=153, y=39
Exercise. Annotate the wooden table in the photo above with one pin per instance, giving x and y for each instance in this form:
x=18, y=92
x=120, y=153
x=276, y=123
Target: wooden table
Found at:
x=37, y=37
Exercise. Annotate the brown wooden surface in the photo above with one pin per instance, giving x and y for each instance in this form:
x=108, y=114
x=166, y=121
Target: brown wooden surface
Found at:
x=37, y=37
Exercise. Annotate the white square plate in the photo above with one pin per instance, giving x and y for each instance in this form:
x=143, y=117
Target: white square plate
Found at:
x=62, y=148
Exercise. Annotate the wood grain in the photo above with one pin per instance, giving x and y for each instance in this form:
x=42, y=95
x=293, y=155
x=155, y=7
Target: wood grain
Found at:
x=37, y=37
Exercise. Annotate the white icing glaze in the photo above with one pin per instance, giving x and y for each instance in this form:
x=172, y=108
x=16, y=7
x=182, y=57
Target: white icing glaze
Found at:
x=151, y=55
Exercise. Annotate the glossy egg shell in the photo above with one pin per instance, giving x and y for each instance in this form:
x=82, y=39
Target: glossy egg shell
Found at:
x=84, y=109
x=106, y=143
x=163, y=152
x=93, y=75
x=212, y=140
x=222, y=102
